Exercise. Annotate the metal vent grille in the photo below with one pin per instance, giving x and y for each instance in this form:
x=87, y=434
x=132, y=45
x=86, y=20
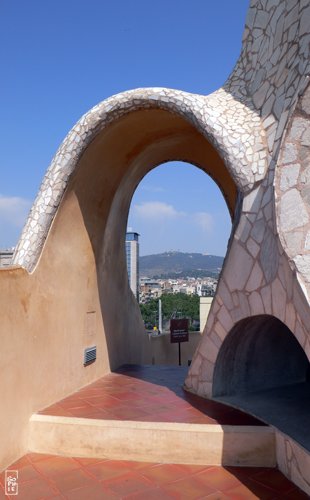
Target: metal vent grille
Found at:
x=90, y=355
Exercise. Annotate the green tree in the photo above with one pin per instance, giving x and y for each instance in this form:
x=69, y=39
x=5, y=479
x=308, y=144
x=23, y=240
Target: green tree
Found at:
x=173, y=305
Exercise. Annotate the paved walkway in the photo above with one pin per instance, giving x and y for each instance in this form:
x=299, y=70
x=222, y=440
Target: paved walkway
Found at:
x=286, y=408
x=49, y=477
x=146, y=393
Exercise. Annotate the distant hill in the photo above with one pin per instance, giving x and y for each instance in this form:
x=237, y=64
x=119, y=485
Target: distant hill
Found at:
x=173, y=264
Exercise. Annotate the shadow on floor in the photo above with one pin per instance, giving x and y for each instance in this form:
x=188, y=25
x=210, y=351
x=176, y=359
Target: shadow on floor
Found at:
x=172, y=377
x=287, y=408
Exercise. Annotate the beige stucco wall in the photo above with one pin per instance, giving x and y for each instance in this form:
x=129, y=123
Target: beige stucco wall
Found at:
x=157, y=349
x=78, y=294
x=204, y=309
x=44, y=331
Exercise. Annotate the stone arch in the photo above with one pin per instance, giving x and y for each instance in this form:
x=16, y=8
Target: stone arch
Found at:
x=199, y=111
x=258, y=353
x=103, y=184
x=88, y=226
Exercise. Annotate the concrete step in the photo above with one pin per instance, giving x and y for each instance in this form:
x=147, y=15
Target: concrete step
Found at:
x=163, y=442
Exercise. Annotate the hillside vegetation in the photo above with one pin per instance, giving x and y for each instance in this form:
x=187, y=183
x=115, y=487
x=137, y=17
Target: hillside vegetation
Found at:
x=180, y=264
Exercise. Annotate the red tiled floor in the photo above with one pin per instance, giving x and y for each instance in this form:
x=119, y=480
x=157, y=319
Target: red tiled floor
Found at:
x=132, y=482
x=108, y=469
x=297, y=494
x=241, y=492
x=55, y=465
x=275, y=480
x=94, y=492
x=150, y=393
x=187, y=487
x=72, y=480
x=164, y=473
x=2, y=495
x=218, y=478
x=153, y=494
x=82, y=479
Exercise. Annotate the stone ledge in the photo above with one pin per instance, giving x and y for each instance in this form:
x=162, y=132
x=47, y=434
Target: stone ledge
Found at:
x=153, y=441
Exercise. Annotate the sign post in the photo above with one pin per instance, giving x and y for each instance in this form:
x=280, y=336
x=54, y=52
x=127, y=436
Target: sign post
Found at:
x=179, y=333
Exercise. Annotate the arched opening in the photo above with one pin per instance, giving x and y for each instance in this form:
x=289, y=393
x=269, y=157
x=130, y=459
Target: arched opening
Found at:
x=104, y=182
x=179, y=222
x=262, y=369
x=177, y=206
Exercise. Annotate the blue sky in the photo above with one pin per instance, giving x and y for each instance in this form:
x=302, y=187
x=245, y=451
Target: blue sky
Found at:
x=61, y=57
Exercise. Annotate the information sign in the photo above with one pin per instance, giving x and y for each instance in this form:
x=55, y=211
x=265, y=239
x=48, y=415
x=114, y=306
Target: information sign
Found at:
x=178, y=330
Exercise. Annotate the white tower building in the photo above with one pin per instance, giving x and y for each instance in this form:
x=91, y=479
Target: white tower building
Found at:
x=132, y=258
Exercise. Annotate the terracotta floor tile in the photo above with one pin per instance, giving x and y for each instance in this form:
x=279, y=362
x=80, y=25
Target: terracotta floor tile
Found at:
x=98, y=414
x=72, y=480
x=131, y=482
x=142, y=403
x=156, y=391
x=153, y=494
x=186, y=488
x=139, y=465
x=2, y=494
x=55, y=497
x=104, y=401
x=74, y=399
x=181, y=403
x=218, y=495
x=262, y=490
x=217, y=478
x=107, y=469
x=94, y=492
x=27, y=473
x=127, y=413
x=56, y=465
x=274, y=480
x=84, y=412
x=165, y=473
x=89, y=461
x=35, y=490
x=95, y=395
x=296, y=494
x=129, y=395
x=194, y=469
x=249, y=491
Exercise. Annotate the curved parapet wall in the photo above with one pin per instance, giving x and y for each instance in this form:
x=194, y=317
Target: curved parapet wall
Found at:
x=223, y=120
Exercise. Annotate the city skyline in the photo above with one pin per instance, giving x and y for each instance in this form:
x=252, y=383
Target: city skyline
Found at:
x=187, y=221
